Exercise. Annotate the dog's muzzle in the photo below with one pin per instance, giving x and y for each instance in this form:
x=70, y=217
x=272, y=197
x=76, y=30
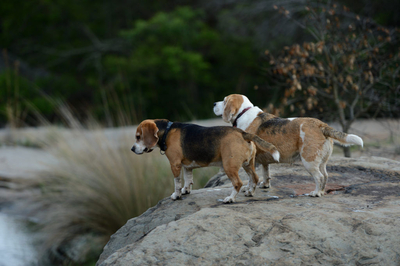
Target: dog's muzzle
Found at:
x=147, y=150
x=218, y=108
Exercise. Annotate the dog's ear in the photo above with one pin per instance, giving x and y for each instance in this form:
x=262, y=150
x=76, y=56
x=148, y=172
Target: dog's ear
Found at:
x=229, y=110
x=149, y=133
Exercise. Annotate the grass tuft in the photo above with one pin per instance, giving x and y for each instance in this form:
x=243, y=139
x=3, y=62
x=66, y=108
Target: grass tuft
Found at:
x=95, y=186
x=92, y=188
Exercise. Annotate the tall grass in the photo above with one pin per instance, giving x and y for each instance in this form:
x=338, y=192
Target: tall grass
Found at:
x=97, y=184
x=12, y=108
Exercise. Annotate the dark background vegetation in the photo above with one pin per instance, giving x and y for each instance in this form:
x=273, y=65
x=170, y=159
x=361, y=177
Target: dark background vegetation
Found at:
x=147, y=59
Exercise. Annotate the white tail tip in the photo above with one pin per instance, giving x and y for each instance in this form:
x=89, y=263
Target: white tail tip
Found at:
x=276, y=155
x=354, y=139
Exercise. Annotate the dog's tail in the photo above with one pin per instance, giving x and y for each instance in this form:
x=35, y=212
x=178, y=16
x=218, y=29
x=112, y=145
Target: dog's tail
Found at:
x=262, y=145
x=343, y=138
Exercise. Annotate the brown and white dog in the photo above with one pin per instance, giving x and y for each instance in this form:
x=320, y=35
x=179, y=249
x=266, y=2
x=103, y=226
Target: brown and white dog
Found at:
x=190, y=146
x=307, y=138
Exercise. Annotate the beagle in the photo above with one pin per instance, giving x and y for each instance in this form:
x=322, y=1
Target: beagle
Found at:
x=307, y=138
x=190, y=146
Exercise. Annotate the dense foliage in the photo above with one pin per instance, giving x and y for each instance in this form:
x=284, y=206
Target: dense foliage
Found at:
x=169, y=64
x=144, y=59
x=178, y=65
x=350, y=70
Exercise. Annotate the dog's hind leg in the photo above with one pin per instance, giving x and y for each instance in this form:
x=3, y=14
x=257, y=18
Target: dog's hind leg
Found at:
x=188, y=177
x=253, y=177
x=253, y=180
x=324, y=179
x=313, y=169
x=328, y=147
x=266, y=183
x=313, y=153
x=233, y=174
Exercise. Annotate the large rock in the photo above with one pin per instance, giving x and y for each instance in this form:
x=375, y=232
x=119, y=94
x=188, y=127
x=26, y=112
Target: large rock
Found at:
x=356, y=223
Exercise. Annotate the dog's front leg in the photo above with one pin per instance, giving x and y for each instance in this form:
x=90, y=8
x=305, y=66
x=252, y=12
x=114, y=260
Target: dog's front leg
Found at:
x=188, y=177
x=178, y=185
x=176, y=169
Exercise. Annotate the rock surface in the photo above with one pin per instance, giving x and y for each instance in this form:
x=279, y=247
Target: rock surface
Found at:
x=356, y=223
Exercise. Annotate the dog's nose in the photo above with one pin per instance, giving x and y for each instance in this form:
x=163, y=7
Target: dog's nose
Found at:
x=133, y=148
x=215, y=104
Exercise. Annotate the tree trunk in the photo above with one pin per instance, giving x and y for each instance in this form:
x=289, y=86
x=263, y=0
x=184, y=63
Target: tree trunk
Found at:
x=347, y=152
x=345, y=128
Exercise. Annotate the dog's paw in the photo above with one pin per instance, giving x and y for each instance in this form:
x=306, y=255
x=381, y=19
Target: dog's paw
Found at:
x=316, y=193
x=185, y=191
x=244, y=189
x=249, y=193
x=264, y=185
x=175, y=196
x=229, y=200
